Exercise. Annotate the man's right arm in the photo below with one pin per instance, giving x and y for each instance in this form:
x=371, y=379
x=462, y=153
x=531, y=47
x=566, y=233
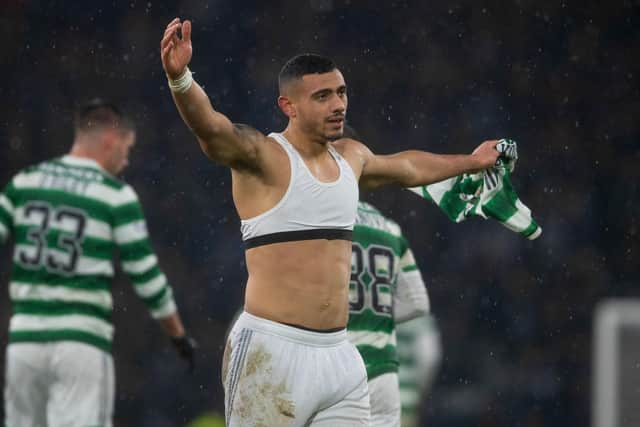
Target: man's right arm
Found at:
x=222, y=141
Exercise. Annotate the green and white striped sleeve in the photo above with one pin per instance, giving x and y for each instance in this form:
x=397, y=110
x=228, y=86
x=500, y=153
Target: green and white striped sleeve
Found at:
x=137, y=256
x=410, y=299
x=6, y=213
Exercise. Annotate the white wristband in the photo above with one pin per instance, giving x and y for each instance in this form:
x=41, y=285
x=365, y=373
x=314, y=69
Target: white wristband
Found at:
x=182, y=83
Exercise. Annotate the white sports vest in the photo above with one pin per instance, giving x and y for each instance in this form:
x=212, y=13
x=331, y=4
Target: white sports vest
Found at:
x=310, y=209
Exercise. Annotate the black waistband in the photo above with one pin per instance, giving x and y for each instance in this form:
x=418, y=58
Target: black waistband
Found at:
x=323, y=331
x=292, y=236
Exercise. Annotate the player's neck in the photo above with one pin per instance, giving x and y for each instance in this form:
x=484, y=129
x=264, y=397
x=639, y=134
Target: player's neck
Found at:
x=86, y=152
x=306, y=145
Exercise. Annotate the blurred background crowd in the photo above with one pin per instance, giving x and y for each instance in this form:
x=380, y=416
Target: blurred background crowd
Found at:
x=515, y=316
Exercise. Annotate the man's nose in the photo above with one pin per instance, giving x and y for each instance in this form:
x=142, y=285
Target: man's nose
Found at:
x=338, y=105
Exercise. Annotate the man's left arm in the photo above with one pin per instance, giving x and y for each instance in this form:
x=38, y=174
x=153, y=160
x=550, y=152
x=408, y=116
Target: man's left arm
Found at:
x=413, y=168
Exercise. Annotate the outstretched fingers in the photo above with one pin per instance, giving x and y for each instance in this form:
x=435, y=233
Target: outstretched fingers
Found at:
x=171, y=27
x=167, y=37
x=171, y=31
x=186, y=31
x=175, y=46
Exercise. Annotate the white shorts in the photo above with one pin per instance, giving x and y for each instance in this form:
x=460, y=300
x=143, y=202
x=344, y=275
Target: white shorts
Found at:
x=276, y=375
x=58, y=384
x=384, y=394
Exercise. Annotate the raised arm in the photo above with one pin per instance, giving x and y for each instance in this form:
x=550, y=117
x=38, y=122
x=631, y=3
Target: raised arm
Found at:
x=222, y=141
x=413, y=168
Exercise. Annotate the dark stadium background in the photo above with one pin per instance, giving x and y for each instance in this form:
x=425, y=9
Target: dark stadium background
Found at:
x=560, y=77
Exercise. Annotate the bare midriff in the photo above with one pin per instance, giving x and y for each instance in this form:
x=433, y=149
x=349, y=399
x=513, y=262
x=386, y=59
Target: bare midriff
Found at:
x=303, y=283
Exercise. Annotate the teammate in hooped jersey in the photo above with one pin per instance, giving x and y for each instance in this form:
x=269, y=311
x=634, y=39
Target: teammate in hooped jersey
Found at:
x=386, y=288
x=67, y=216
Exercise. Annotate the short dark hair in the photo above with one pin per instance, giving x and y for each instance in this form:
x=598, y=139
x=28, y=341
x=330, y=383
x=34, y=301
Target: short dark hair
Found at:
x=100, y=114
x=305, y=63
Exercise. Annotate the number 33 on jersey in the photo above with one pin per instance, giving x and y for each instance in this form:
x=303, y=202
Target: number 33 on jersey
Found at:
x=68, y=216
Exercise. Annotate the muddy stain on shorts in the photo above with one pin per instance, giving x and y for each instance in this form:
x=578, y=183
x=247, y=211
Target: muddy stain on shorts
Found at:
x=257, y=360
x=286, y=407
x=263, y=400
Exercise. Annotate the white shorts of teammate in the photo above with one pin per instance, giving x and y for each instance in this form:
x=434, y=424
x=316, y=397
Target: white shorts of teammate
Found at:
x=384, y=394
x=276, y=375
x=58, y=384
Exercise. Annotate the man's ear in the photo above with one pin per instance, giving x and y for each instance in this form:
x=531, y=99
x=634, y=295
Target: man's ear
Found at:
x=287, y=107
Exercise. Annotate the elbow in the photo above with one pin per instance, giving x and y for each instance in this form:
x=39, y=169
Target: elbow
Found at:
x=424, y=177
x=421, y=311
x=207, y=132
x=413, y=176
x=421, y=308
x=207, y=149
x=413, y=313
x=210, y=148
x=208, y=138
